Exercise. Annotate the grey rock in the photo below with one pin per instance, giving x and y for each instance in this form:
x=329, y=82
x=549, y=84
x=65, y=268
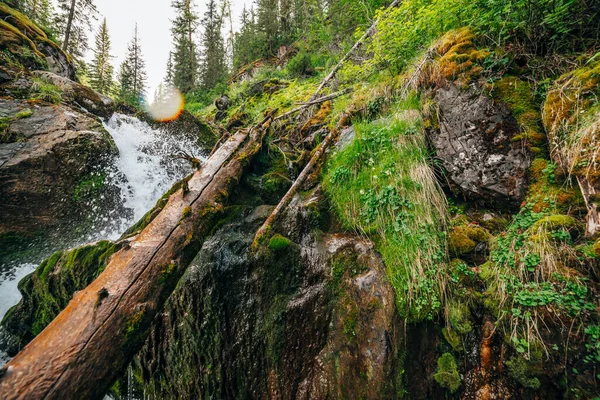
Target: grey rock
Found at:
x=79, y=95
x=475, y=145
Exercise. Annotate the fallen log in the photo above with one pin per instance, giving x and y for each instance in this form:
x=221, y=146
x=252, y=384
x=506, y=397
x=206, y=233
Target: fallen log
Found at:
x=308, y=170
x=88, y=345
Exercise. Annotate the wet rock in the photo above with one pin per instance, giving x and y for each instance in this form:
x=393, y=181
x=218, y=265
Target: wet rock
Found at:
x=314, y=320
x=42, y=173
x=49, y=289
x=79, y=95
x=475, y=146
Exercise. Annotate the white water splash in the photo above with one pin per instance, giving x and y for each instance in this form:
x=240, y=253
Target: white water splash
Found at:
x=146, y=168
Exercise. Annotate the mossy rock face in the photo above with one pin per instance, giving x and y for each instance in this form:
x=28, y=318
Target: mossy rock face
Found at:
x=279, y=243
x=48, y=290
x=447, y=373
x=28, y=46
x=276, y=313
x=519, y=97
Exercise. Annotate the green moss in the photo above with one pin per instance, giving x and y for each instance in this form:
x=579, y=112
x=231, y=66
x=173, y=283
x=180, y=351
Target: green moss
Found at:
x=186, y=212
x=447, y=373
x=519, y=96
x=134, y=324
x=556, y=222
x=279, y=243
x=49, y=289
x=452, y=337
x=463, y=238
x=459, y=317
x=26, y=113
x=89, y=187
x=522, y=371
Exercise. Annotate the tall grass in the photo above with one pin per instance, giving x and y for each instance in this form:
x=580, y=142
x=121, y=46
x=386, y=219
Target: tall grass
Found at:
x=382, y=186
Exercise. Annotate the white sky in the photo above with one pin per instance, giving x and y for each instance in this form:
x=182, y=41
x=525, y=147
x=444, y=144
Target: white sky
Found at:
x=154, y=26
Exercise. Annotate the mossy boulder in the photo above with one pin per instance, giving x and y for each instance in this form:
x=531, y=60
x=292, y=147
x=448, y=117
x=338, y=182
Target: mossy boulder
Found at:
x=26, y=46
x=48, y=290
x=482, y=163
x=469, y=242
x=48, y=169
x=447, y=373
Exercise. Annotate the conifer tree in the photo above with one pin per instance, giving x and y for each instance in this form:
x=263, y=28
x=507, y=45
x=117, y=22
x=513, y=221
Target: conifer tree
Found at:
x=73, y=21
x=268, y=24
x=213, y=69
x=101, y=70
x=245, y=45
x=169, y=75
x=40, y=12
x=132, y=74
x=185, y=58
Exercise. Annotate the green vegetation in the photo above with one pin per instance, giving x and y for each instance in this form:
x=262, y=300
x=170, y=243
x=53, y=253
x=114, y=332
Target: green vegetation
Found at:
x=45, y=90
x=89, y=187
x=382, y=186
x=447, y=373
x=279, y=243
x=49, y=289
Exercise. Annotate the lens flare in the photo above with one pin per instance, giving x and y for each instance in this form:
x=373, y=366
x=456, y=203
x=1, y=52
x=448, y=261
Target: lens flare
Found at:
x=167, y=105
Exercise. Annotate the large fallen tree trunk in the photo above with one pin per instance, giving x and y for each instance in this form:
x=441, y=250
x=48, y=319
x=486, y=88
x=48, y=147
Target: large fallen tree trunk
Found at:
x=82, y=352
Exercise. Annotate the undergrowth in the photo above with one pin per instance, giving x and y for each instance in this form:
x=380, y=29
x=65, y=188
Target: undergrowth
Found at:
x=382, y=186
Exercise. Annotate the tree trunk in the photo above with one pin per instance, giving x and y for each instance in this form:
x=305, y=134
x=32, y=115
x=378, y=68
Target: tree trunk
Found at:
x=69, y=26
x=81, y=353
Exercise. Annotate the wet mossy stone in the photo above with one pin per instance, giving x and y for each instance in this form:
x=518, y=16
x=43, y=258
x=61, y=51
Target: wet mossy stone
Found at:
x=447, y=373
x=48, y=290
x=466, y=238
x=279, y=243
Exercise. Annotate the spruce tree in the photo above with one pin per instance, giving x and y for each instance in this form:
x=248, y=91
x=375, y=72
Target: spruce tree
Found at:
x=101, y=70
x=245, y=44
x=268, y=25
x=213, y=69
x=132, y=74
x=185, y=58
x=73, y=21
x=169, y=75
x=40, y=12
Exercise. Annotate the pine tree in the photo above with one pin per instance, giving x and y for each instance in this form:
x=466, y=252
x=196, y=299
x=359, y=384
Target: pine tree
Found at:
x=101, y=70
x=185, y=58
x=169, y=75
x=213, y=69
x=73, y=21
x=40, y=12
x=245, y=47
x=132, y=74
x=268, y=24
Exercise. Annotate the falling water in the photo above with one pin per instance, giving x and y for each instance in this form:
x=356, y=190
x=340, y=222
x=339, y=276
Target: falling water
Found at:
x=146, y=168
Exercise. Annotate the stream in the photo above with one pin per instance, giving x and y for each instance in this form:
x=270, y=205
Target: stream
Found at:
x=144, y=170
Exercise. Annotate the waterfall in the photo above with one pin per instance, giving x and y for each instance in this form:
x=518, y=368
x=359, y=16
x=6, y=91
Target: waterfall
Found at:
x=145, y=169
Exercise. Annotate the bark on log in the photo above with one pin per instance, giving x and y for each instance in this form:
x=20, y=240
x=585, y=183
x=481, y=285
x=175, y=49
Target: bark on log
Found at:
x=306, y=172
x=82, y=352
